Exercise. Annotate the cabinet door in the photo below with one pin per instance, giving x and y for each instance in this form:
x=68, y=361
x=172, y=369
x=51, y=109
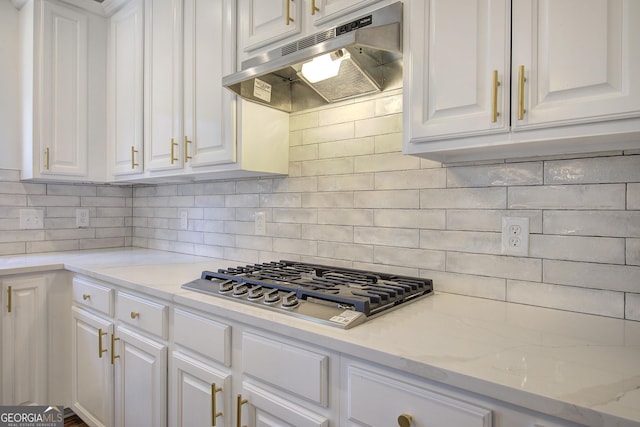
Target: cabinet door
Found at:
x=163, y=84
x=92, y=371
x=209, y=53
x=24, y=341
x=326, y=10
x=125, y=109
x=200, y=394
x=140, y=380
x=452, y=51
x=263, y=22
x=64, y=103
x=579, y=67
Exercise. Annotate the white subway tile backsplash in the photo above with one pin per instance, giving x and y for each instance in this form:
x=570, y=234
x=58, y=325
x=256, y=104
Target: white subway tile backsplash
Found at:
x=400, y=237
x=352, y=182
x=598, y=170
x=465, y=241
x=417, y=258
x=632, y=306
x=21, y=188
x=593, y=223
x=633, y=251
x=327, y=200
x=578, y=248
x=332, y=233
x=388, y=105
x=342, y=165
x=387, y=199
x=388, y=143
x=379, y=125
x=335, y=132
x=401, y=180
x=280, y=200
x=346, y=216
x=633, y=196
x=345, y=252
x=489, y=219
x=71, y=190
x=385, y=162
x=601, y=196
x=464, y=198
x=303, y=152
x=410, y=218
x=297, y=216
x=465, y=284
x=254, y=186
x=624, y=278
x=508, y=267
x=347, y=147
x=507, y=174
x=346, y=113
x=295, y=246
x=602, y=303
x=306, y=184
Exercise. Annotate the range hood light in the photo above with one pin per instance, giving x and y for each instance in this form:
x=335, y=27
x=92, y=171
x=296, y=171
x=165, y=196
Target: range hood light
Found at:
x=324, y=66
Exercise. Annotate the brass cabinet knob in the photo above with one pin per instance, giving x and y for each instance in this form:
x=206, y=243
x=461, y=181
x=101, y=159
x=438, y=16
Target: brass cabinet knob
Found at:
x=135, y=315
x=86, y=296
x=405, y=420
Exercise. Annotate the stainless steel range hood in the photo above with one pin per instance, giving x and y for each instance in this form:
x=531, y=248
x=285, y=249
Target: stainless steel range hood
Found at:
x=367, y=51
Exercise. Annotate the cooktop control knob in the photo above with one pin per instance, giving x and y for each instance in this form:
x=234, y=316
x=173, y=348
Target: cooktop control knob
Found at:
x=271, y=296
x=256, y=292
x=240, y=289
x=226, y=286
x=290, y=300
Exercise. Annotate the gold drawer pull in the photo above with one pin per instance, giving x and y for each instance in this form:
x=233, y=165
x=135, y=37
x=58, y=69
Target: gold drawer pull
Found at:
x=86, y=296
x=241, y=402
x=494, y=97
x=214, y=413
x=100, y=349
x=405, y=420
x=113, y=345
x=133, y=157
x=187, y=141
x=289, y=18
x=135, y=315
x=521, y=80
x=9, y=299
x=173, y=151
x=314, y=8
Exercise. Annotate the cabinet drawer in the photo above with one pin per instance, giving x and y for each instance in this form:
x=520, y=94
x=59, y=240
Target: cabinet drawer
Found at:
x=142, y=313
x=294, y=369
x=93, y=295
x=375, y=399
x=203, y=335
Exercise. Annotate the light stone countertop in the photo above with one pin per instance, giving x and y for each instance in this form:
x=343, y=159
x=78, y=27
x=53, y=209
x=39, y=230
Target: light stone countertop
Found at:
x=578, y=367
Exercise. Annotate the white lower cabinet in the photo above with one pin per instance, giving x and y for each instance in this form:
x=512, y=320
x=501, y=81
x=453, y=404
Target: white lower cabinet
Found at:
x=119, y=356
x=24, y=340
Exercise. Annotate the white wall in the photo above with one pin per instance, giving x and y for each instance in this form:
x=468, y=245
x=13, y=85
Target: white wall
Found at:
x=9, y=94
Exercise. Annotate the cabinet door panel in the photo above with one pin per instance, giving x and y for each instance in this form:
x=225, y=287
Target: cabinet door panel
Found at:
x=64, y=91
x=208, y=55
x=92, y=375
x=191, y=386
x=265, y=21
x=163, y=84
x=126, y=51
x=24, y=338
x=579, y=67
x=141, y=380
x=453, y=57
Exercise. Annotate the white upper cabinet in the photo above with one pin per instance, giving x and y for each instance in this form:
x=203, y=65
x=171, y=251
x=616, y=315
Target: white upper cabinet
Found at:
x=264, y=24
x=63, y=67
x=125, y=80
x=459, y=61
x=163, y=84
x=580, y=59
x=496, y=79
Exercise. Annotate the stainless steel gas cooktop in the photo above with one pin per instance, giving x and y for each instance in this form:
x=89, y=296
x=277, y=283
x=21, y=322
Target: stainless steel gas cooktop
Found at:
x=341, y=297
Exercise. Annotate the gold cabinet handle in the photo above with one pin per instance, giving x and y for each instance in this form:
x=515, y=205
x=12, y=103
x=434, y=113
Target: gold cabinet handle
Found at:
x=100, y=349
x=314, y=8
x=86, y=296
x=135, y=315
x=521, y=80
x=173, y=151
x=46, y=159
x=494, y=97
x=214, y=413
x=289, y=18
x=241, y=402
x=405, y=420
x=186, y=149
x=133, y=157
x=9, y=299
x=113, y=345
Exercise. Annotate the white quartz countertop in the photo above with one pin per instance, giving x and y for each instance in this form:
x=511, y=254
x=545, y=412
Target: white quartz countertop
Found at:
x=578, y=367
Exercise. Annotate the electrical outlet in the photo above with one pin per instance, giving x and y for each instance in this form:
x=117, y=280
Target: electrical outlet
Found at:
x=184, y=220
x=31, y=219
x=260, y=223
x=82, y=217
x=515, y=236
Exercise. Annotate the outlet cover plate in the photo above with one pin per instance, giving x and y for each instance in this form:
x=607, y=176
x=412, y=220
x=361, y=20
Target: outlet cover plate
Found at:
x=31, y=219
x=260, y=223
x=515, y=236
x=82, y=217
